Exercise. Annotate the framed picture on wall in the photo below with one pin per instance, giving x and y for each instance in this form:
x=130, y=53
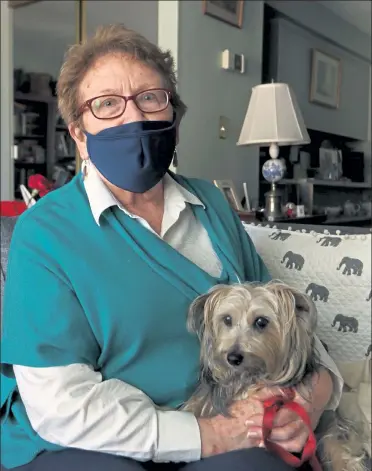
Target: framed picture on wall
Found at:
x=325, y=79
x=229, y=11
x=228, y=189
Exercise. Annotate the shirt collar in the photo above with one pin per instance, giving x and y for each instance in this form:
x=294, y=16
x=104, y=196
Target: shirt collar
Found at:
x=100, y=197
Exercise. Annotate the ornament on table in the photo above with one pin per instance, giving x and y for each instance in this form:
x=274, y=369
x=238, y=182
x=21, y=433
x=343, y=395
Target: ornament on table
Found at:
x=290, y=210
x=38, y=186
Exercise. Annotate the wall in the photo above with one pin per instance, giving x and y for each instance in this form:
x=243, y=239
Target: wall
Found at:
x=58, y=29
x=39, y=46
x=142, y=16
x=366, y=146
x=27, y=58
x=292, y=47
x=210, y=92
x=321, y=20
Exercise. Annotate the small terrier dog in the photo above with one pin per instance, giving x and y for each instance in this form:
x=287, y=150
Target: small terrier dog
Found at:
x=254, y=336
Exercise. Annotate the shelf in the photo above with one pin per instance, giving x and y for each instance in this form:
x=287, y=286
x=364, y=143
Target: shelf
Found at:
x=65, y=158
x=329, y=183
x=29, y=164
x=34, y=97
x=44, y=105
x=29, y=136
x=348, y=219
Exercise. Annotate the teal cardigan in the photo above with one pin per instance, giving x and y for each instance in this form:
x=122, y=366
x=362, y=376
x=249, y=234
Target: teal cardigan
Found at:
x=114, y=296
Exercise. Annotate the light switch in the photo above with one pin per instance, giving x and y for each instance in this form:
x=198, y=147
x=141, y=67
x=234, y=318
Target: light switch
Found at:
x=232, y=61
x=223, y=126
x=239, y=63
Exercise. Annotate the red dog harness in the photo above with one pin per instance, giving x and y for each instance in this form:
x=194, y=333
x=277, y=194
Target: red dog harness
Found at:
x=271, y=408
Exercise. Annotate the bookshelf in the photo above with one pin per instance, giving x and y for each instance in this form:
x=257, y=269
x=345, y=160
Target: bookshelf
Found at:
x=41, y=139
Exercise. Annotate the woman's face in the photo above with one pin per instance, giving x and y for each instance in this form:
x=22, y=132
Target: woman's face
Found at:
x=119, y=75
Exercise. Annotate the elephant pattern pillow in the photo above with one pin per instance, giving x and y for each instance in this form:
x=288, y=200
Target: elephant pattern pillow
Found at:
x=335, y=271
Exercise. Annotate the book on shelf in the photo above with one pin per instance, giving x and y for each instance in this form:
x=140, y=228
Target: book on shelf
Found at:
x=62, y=145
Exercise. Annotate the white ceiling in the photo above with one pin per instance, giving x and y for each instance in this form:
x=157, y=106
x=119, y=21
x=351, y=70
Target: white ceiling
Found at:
x=356, y=12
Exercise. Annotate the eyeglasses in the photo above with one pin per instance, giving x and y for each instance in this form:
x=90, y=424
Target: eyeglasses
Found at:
x=113, y=106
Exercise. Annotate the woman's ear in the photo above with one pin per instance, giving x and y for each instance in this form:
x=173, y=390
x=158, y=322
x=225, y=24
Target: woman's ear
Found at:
x=80, y=139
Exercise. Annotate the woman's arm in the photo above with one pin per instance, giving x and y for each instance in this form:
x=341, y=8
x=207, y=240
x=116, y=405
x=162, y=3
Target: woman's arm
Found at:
x=72, y=406
x=336, y=380
x=50, y=348
x=322, y=391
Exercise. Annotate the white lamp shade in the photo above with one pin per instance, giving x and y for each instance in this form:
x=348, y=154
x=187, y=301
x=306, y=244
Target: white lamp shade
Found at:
x=273, y=117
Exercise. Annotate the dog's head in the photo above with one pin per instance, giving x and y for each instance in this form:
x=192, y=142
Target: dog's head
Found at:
x=262, y=332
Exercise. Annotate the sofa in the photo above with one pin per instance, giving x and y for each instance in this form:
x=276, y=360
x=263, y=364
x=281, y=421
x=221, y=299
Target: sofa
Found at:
x=333, y=266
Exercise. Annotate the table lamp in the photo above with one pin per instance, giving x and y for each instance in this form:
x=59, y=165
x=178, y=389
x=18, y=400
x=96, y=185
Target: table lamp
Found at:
x=273, y=119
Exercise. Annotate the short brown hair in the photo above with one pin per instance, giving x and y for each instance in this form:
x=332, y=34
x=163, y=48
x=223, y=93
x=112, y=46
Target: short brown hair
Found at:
x=111, y=39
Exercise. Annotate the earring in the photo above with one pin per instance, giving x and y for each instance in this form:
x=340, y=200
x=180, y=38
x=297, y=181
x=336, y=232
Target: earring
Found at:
x=175, y=158
x=84, y=167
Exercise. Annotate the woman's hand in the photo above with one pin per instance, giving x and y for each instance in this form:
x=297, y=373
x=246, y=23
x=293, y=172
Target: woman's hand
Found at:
x=222, y=434
x=244, y=429
x=289, y=431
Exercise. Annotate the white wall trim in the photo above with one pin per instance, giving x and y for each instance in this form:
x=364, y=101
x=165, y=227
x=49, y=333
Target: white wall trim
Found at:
x=6, y=104
x=168, y=20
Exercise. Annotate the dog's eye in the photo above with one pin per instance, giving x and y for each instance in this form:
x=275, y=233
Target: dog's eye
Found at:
x=261, y=322
x=227, y=320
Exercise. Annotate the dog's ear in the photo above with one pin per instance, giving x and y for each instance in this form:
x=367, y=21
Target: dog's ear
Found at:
x=298, y=316
x=304, y=307
x=195, y=320
x=305, y=310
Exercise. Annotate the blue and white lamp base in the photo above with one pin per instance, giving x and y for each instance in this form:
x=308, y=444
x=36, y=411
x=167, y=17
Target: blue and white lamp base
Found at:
x=273, y=170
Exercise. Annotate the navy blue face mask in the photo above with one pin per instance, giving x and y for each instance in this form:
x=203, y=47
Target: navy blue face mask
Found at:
x=134, y=156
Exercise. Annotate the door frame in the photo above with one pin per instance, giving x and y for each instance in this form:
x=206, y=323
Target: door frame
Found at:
x=6, y=100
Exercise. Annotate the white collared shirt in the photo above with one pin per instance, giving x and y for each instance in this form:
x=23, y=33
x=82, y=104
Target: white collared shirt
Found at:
x=73, y=407
x=180, y=228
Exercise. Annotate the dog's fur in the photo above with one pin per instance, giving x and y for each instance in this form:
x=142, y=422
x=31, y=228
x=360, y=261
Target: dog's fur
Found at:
x=255, y=336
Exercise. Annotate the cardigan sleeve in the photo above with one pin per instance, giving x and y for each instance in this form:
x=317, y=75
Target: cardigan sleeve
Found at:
x=43, y=322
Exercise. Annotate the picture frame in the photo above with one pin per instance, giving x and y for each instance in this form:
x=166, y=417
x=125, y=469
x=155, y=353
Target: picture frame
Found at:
x=228, y=189
x=325, y=83
x=228, y=11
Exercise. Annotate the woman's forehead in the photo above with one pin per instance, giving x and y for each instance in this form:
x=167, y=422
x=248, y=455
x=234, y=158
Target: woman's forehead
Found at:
x=118, y=73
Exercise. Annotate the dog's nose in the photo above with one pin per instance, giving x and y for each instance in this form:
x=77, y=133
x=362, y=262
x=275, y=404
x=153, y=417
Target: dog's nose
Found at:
x=234, y=358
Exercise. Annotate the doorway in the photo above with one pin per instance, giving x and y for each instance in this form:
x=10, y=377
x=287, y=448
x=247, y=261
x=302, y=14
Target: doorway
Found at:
x=42, y=31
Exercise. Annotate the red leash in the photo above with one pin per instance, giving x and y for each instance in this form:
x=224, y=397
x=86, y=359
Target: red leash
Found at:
x=271, y=408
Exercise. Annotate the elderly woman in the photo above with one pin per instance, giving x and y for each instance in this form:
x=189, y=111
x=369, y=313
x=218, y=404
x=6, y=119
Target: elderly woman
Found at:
x=96, y=356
